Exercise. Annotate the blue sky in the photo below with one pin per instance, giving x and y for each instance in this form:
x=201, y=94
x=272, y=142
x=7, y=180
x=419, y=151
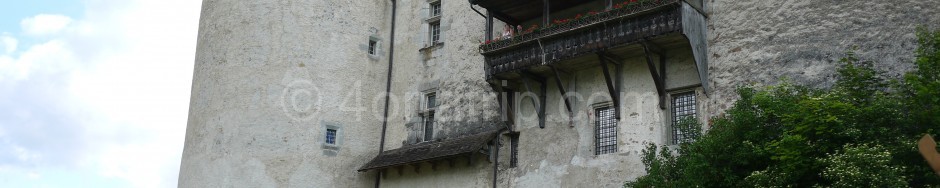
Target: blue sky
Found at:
x=94, y=93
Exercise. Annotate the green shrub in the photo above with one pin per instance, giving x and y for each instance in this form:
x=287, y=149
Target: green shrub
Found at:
x=861, y=132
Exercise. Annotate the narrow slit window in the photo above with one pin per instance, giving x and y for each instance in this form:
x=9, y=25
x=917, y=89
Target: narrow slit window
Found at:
x=331, y=136
x=605, y=131
x=683, y=107
x=372, y=45
x=429, y=127
x=430, y=101
x=514, y=149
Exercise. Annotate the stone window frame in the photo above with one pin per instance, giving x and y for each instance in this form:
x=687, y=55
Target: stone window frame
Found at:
x=674, y=135
x=435, y=30
x=435, y=8
x=373, y=48
x=428, y=109
x=338, y=137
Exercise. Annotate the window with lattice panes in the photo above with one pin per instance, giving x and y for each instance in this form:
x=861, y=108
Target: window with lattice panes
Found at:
x=683, y=108
x=605, y=130
x=435, y=9
x=435, y=31
x=331, y=136
x=430, y=105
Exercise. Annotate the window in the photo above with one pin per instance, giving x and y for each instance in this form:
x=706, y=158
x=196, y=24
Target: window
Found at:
x=434, y=23
x=605, y=130
x=430, y=100
x=331, y=136
x=435, y=32
x=435, y=9
x=514, y=149
x=372, y=45
x=683, y=107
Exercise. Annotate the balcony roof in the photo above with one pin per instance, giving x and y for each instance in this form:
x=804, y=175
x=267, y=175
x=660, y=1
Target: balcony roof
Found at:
x=663, y=24
x=430, y=151
x=517, y=11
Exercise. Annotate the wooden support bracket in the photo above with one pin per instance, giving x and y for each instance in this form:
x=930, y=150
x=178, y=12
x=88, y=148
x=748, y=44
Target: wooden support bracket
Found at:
x=540, y=103
x=614, y=93
x=504, y=104
x=657, y=79
x=564, y=95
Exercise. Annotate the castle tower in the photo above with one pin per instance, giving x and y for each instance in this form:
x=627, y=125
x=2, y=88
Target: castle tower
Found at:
x=284, y=93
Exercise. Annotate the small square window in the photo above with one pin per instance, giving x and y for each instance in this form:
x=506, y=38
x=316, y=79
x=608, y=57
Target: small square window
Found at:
x=331, y=136
x=372, y=45
x=435, y=32
x=435, y=9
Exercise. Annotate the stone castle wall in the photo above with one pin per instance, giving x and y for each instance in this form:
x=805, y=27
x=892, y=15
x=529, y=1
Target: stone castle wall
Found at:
x=753, y=42
x=271, y=76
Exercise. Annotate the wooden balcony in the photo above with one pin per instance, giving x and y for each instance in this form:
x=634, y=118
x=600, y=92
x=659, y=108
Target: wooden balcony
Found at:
x=667, y=23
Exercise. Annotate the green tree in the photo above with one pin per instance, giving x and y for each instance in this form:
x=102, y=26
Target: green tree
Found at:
x=861, y=132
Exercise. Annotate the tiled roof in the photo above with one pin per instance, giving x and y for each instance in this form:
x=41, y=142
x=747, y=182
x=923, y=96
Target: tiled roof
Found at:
x=430, y=151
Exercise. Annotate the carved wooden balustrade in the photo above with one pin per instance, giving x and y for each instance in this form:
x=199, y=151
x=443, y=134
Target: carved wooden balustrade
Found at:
x=590, y=34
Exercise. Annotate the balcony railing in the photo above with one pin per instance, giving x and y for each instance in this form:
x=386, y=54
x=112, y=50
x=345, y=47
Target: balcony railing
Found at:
x=593, y=33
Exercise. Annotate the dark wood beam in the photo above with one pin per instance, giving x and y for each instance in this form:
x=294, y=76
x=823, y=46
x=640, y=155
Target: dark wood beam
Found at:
x=654, y=48
x=504, y=104
x=540, y=105
x=543, y=93
x=662, y=76
x=619, y=76
x=495, y=156
x=614, y=93
x=611, y=58
x=564, y=94
x=489, y=26
x=528, y=88
x=660, y=83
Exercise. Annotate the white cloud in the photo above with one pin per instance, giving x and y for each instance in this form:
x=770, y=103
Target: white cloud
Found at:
x=106, y=93
x=9, y=43
x=45, y=24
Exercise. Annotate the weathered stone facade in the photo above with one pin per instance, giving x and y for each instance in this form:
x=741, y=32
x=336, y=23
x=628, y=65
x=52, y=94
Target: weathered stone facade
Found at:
x=271, y=77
